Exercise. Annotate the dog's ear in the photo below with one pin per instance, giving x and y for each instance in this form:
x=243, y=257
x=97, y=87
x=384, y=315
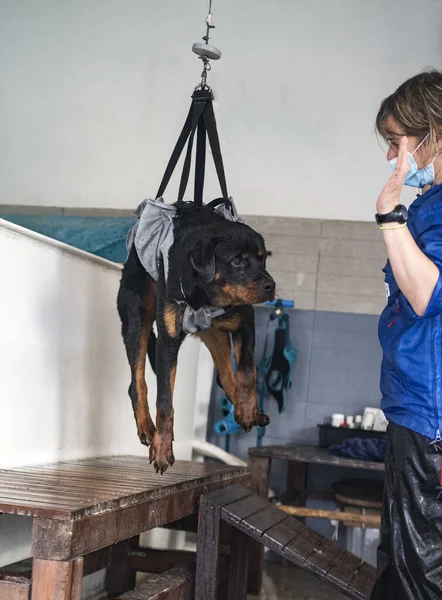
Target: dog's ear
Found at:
x=202, y=259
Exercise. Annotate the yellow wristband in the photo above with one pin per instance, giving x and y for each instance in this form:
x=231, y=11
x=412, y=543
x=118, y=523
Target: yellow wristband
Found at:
x=392, y=226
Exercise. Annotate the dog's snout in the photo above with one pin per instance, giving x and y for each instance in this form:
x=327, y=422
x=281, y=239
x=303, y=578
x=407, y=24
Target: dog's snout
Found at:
x=268, y=285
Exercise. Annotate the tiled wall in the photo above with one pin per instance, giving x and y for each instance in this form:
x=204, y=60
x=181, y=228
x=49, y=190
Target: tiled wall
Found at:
x=326, y=265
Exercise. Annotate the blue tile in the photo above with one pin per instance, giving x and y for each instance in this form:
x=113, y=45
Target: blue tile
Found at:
x=343, y=396
x=335, y=321
x=368, y=358
x=347, y=378
x=348, y=340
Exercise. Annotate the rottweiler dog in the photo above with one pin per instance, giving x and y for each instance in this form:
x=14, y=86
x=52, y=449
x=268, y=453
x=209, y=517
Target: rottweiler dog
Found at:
x=213, y=262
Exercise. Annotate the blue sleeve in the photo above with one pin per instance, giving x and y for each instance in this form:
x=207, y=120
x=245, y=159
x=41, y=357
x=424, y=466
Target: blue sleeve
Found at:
x=430, y=242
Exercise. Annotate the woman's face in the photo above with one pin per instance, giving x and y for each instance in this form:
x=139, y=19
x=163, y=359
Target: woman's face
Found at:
x=423, y=155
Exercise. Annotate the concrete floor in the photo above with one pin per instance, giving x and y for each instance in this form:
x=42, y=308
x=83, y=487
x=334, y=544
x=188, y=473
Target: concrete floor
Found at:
x=282, y=582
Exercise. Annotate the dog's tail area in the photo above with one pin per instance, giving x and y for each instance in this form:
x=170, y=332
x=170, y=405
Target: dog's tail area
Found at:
x=152, y=350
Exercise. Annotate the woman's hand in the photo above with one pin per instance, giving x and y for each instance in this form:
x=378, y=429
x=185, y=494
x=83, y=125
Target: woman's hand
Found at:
x=391, y=193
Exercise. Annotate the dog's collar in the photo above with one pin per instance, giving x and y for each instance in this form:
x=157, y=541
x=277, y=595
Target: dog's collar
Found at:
x=190, y=320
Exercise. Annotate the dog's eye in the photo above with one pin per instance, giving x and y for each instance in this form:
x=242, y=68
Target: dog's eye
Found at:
x=238, y=262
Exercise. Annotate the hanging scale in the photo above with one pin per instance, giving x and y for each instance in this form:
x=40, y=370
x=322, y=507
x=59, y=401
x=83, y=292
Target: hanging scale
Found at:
x=205, y=51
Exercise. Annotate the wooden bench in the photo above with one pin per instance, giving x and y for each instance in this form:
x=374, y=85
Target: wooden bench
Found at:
x=299, y=458
x=87, y=515
x=254, y=518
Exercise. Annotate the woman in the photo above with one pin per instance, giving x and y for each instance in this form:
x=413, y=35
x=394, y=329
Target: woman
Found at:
x=410, y=332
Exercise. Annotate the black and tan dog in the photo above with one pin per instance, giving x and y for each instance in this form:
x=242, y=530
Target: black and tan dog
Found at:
x=213, y=262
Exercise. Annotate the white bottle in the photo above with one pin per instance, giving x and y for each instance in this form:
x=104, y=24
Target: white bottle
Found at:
x=337, y=420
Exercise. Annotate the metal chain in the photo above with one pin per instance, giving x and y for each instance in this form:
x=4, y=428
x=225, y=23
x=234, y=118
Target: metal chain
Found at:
x=206, y=61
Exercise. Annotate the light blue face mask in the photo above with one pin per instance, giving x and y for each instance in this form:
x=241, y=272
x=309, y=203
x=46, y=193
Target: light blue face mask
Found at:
x=417, y=177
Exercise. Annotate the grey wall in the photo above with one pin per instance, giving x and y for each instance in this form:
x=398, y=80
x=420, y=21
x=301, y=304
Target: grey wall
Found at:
x=326, y=265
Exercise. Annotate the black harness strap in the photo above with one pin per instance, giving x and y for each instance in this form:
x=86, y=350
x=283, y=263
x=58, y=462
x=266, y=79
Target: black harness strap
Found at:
x=200, y=163
x=200, y=120
x=179, y=146
x=212, y=133
x=198, y=108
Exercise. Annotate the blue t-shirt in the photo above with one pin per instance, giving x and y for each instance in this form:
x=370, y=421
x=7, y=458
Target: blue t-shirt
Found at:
x=411, y=372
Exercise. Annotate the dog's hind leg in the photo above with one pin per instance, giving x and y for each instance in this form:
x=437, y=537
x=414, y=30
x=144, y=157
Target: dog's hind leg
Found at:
x=136, y=306
x=168, y=345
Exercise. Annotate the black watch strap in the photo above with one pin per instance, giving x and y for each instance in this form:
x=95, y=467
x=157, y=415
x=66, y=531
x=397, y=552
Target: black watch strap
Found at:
x=398, y=215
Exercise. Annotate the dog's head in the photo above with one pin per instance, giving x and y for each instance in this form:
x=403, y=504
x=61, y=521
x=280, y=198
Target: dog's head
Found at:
x=228, y=263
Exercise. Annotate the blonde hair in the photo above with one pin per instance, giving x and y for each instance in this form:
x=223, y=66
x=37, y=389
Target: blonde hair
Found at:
x=416, y=105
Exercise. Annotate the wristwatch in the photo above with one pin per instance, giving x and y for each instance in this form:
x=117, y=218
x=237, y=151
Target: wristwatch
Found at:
x=398, y=215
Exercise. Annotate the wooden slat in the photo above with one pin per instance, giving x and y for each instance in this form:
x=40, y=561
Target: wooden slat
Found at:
x=246, y=507
x=263, y=520
x=302, y=546
x=321, y=560
x=343, y=570
x=361, y=585
x=283, y=533
x=313, y=454
x=228, y=495
x=176, y=584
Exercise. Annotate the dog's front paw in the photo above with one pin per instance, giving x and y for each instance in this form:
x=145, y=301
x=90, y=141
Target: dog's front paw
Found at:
x=249, y=416
x=146, y=432
x=160, y=452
